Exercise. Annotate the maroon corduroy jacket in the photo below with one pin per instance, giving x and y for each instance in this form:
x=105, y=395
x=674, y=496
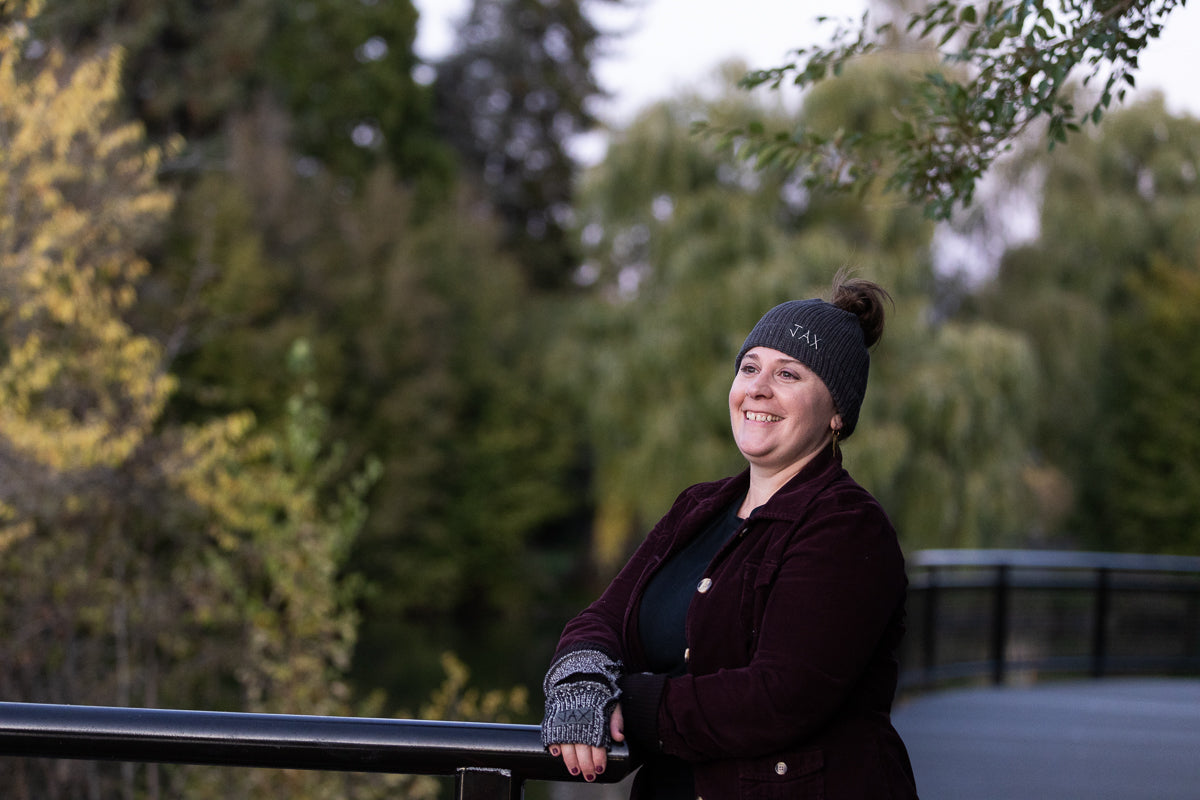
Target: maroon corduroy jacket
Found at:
x=791, y=640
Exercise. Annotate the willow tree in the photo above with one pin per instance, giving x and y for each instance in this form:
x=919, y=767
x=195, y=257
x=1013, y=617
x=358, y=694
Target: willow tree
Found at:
x=685, y=251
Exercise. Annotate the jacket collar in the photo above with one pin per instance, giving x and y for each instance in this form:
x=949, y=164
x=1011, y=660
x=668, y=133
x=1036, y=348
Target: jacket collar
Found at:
x=792, y=499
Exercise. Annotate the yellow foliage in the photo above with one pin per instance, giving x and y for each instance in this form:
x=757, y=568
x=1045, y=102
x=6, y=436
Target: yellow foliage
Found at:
x=613, y=528
x=229, y=574
x=455, y=699
x=261, y=511
x=12, y=529
x=78, y=388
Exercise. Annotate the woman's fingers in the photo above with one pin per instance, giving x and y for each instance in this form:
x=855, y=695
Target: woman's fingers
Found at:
x=616, y=725
x=582, y=759
x=599, y=762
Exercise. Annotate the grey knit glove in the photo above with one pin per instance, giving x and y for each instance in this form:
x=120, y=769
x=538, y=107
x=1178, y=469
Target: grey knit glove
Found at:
x=581, y=689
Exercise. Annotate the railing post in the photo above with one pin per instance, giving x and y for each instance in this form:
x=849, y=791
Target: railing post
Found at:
x=1000, y=624
x=1191, y=652
x=1100, y=622
x=929, y=634
x=472, y=783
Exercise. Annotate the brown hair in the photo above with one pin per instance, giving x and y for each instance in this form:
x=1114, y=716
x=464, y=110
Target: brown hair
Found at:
x=865, y=300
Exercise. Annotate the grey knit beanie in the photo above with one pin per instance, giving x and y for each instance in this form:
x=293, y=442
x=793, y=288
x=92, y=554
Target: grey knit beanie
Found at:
x=827, y=340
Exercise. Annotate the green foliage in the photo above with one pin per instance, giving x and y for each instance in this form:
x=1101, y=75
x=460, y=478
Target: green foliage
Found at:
x=955, y=436
x=146, y=563
x=396, y=291
x=1152, y=447
x=518, y=86
x=480, y=454
x=187, y=63
x=687, y=252
x=421, y=334
x=357, y=105
x=1118, y=217
x=344, y=71
x=1008, y=65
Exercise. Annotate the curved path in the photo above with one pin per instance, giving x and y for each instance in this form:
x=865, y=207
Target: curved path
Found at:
x=1133, y=739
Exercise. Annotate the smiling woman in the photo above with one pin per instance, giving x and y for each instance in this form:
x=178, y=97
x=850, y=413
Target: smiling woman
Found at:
x=747, y=649
x=781, y=414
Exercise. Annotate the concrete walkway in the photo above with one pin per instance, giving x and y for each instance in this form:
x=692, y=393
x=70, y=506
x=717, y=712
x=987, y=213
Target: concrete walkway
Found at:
x=1092, y=740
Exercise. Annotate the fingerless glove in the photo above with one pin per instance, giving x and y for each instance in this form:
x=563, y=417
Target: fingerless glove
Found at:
x=581, y=690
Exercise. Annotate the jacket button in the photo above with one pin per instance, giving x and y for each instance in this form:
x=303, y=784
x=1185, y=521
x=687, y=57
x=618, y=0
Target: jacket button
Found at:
x=704, y=586
x=781, y=768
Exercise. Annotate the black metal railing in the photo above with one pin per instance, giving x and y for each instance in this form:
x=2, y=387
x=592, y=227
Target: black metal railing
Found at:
x=973, y=615
x=487, y=760
x=1000, y=615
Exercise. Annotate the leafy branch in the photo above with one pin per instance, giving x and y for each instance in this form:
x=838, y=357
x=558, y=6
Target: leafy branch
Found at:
x=1008, y=63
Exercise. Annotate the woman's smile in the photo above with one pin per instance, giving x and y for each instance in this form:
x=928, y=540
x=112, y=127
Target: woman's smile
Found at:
x=781, y=412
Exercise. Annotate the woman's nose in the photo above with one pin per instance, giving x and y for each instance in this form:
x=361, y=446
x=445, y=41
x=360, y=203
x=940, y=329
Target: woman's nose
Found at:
x=759, y=384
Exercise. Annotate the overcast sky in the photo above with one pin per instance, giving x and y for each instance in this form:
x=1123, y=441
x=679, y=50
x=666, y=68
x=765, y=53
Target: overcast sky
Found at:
x=674, y=44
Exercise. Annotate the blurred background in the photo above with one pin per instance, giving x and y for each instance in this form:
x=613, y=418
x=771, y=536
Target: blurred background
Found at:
x=348, y=346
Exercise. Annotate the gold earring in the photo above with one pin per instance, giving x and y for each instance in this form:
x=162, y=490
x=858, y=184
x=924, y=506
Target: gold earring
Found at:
x=836, y=433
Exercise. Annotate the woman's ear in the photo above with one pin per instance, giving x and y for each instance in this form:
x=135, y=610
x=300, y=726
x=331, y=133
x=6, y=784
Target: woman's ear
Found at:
x=836, y=422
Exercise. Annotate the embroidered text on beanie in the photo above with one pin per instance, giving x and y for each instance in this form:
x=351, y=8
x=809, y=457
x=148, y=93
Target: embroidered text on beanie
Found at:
x=827, y=340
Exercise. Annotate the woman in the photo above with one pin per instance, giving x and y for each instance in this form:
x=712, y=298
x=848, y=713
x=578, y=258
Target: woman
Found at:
x=747, y=649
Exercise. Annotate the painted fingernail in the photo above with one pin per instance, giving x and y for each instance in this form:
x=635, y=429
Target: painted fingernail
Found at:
x=574, y=770
x=599, y=770
x=589, y=778
x=554, y=751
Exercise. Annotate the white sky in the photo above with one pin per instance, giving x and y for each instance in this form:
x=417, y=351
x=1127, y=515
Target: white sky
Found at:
x=675, y=44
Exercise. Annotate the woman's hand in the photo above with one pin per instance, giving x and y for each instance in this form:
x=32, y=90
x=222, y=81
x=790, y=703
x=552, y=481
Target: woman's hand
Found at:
x=591, y=761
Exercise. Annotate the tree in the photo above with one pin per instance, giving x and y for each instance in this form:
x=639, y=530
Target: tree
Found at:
x=344, y=71
x=427, y=346
x=1117, y=216
x=1008, y=64
x=356, y=106
x=686, y=252
x=518, y=87
x=78, y=388
x=481, y=453
x=423, y=336
x=1151, y=448
x=145, y=563
x=187, y=63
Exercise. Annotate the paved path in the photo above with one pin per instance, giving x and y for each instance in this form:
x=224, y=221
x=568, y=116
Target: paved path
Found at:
x=1092, y=740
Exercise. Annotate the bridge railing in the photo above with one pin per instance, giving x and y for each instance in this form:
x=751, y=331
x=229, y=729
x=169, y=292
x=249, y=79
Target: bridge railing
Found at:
x=1007, y=615
x=487, y=760
x=973, y=615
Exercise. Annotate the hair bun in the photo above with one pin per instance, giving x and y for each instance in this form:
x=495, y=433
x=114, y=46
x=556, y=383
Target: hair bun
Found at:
x=865, y=300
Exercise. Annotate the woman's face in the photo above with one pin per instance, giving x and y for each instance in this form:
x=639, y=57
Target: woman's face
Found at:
x=781, y=412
